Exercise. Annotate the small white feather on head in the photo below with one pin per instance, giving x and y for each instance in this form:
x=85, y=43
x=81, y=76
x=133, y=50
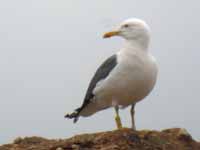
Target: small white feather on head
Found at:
x=130, y=28
x=135, y=31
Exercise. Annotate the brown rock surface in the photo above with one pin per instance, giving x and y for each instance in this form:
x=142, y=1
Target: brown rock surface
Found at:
x=125, y=139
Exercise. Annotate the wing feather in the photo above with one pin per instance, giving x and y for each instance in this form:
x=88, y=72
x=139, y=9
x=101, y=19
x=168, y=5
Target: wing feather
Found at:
x=101, y=73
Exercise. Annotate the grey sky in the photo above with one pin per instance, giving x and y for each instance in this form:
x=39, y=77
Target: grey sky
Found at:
x=49, y=50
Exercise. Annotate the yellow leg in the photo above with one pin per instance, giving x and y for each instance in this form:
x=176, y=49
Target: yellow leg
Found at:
x=117, y=118
x=133, y=116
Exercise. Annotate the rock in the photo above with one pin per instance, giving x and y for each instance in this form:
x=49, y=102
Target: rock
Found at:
x=59, y=148
x=75, y=147
x=124, y=139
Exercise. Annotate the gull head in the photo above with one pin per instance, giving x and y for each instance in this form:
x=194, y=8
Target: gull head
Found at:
x=132, y=29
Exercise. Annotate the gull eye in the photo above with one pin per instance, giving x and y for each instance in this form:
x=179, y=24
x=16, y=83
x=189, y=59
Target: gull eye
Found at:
x=126, y=25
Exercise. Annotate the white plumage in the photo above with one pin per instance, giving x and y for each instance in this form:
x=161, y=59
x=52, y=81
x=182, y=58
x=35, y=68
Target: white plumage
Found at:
x=132, y=78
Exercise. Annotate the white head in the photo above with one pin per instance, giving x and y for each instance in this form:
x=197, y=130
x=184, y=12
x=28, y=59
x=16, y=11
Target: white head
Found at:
x=134, y=31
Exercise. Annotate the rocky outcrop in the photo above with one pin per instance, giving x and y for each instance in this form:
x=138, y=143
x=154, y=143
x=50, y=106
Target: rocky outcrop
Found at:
x=125, y=139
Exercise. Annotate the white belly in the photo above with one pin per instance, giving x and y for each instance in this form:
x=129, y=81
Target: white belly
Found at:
x=127, y=84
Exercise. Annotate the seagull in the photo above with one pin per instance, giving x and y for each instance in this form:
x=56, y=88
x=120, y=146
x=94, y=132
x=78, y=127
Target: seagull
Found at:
x=125, y=78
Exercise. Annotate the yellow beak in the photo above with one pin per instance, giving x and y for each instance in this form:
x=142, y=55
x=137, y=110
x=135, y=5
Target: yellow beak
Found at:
x=110, y=34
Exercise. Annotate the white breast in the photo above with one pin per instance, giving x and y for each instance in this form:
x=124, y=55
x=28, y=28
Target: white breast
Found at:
x=130, y=81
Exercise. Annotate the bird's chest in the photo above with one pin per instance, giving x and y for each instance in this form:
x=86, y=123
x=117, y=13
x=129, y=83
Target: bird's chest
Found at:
x=129, y=77
x=131, y=80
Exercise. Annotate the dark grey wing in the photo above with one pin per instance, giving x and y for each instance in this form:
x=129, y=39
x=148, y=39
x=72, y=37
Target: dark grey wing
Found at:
x=101, y=73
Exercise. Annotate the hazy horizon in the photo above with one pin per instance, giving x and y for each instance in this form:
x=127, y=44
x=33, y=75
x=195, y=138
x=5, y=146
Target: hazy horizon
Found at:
x=49, y=50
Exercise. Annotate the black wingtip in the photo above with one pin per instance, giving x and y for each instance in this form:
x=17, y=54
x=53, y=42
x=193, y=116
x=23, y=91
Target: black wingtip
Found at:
x=67, y=116
x=73, y=115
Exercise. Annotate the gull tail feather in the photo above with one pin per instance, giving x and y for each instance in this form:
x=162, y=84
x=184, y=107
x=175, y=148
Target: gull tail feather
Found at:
x=74, y=115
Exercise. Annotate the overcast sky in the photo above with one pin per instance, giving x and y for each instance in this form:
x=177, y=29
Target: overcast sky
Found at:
x=49, y=50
